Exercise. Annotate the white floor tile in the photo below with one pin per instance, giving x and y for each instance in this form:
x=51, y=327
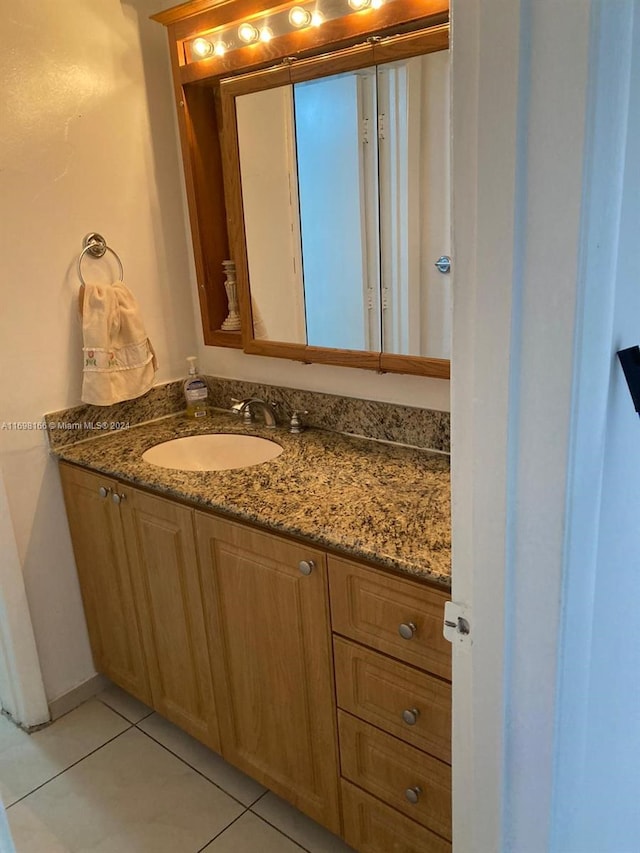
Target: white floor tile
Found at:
x=27, y=761
x=211, y=765
x=129, y=707
x=250, y=834
x=298, y=826
x=131, y=796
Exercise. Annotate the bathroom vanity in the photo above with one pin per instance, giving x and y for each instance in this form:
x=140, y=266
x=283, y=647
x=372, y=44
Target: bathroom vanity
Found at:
x=288, y=615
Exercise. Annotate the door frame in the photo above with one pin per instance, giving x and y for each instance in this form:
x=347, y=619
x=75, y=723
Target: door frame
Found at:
x=519, y=102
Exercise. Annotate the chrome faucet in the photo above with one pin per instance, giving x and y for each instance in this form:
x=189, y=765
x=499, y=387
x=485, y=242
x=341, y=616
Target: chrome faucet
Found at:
x=244, y=408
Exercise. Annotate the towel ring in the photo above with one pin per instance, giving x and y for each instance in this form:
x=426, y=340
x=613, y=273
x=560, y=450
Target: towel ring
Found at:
x=95, y=245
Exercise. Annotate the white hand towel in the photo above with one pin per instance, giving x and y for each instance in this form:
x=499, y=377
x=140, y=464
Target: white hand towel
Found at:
x=119, y=361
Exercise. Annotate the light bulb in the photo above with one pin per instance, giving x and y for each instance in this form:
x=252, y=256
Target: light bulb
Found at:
x=220, y=49
x=201, y=47
x=359, y=4
x=375, y=4
x=299, y=17
x=266, y=34
x=248, y=33
x=317, y=18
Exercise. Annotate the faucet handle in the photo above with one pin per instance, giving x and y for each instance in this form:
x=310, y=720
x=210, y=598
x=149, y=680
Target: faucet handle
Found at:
x=295, y=425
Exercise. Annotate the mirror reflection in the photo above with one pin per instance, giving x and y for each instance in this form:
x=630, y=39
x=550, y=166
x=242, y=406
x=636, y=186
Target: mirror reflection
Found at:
x=345, y=188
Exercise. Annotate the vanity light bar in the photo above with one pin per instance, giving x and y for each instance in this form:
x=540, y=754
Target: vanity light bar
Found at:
x=258, y=30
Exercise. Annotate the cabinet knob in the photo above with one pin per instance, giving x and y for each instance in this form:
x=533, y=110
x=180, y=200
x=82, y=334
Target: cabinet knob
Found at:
x=306, y=566
x=407, y=630
x=410, y=716
x=116, y=498
x=103, y=491
x=413, y=794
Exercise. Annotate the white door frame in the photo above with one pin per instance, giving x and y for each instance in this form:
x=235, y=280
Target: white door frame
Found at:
x=519, y=91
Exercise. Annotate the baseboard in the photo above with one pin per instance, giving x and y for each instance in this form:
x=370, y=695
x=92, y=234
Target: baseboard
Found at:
x=77, y=695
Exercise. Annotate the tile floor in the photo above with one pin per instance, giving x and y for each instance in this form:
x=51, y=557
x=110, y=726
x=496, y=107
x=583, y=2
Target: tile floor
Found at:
x=114, y=777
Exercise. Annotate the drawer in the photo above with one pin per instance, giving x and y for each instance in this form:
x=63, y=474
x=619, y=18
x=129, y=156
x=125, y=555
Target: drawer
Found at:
x=372, y=827
x=403, y=701
x=369, y=606
x=389, y=768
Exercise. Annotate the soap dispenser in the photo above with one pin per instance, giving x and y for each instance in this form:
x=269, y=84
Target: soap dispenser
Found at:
x=196, y=392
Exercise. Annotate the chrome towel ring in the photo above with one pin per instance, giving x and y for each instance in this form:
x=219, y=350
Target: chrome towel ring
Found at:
x=95, y=245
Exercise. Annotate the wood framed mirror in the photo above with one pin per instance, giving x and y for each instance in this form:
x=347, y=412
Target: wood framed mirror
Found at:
x=378, y=34
x=336, y=180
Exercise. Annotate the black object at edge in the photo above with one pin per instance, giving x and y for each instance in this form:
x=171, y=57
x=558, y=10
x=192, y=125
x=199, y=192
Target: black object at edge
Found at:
x=630, y=361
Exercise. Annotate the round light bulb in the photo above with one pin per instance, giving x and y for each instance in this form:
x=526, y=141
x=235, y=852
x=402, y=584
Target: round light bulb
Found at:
x=317, y=19
x=248, y=33
x=266, y=34
x=299, y=17
x=202, y=47
x=220, y=49
x=375, y=4
x=359, y=4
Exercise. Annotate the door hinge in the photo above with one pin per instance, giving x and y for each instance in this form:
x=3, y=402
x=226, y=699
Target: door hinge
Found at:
x=456, y=622
x=365, y=131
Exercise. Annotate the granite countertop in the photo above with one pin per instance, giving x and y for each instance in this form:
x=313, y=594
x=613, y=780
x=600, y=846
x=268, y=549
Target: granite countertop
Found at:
x=383, y=503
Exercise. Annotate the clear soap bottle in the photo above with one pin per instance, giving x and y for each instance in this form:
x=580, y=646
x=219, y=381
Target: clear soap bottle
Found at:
x=196, y=392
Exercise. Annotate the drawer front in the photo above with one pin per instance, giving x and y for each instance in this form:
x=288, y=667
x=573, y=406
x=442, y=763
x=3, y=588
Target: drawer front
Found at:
x=372, y=827
x=403, y=701
x=396, y=773
x=370, y=607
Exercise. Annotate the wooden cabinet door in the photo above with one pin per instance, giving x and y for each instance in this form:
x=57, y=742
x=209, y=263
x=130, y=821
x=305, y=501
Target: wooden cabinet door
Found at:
x=270, y=650
x=105, y=581
x=160, y=542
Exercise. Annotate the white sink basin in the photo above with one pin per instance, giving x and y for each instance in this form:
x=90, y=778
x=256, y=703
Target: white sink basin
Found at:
x=215, y=452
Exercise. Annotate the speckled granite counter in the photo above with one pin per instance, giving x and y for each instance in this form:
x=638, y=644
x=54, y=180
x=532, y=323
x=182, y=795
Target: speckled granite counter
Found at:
x=379, y=502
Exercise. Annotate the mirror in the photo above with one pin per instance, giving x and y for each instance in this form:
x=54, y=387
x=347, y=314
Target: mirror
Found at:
x=344, y=182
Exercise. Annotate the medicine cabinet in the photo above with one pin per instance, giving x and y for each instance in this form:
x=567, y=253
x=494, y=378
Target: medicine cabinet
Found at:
x=317, y=159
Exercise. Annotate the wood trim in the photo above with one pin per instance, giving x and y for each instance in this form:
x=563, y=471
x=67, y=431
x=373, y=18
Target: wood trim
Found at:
x=191, y=23
x=235, y=211
x=201, y=112
x=437, y=368
x=314, y=355
x=255, y=81
x=185, y=10
x=348, y=59
x=411, y=44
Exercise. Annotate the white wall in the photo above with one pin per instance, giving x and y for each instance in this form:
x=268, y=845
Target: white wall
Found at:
x=363, y=384
x=598, y=723
x=88, y=143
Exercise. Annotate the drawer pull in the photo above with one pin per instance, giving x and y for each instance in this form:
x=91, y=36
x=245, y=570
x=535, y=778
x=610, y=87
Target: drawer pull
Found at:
x=410, y=716
x=306, y=566
x=413, y=794
x=103, y=491
x=407, y=630
x=117, y=498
